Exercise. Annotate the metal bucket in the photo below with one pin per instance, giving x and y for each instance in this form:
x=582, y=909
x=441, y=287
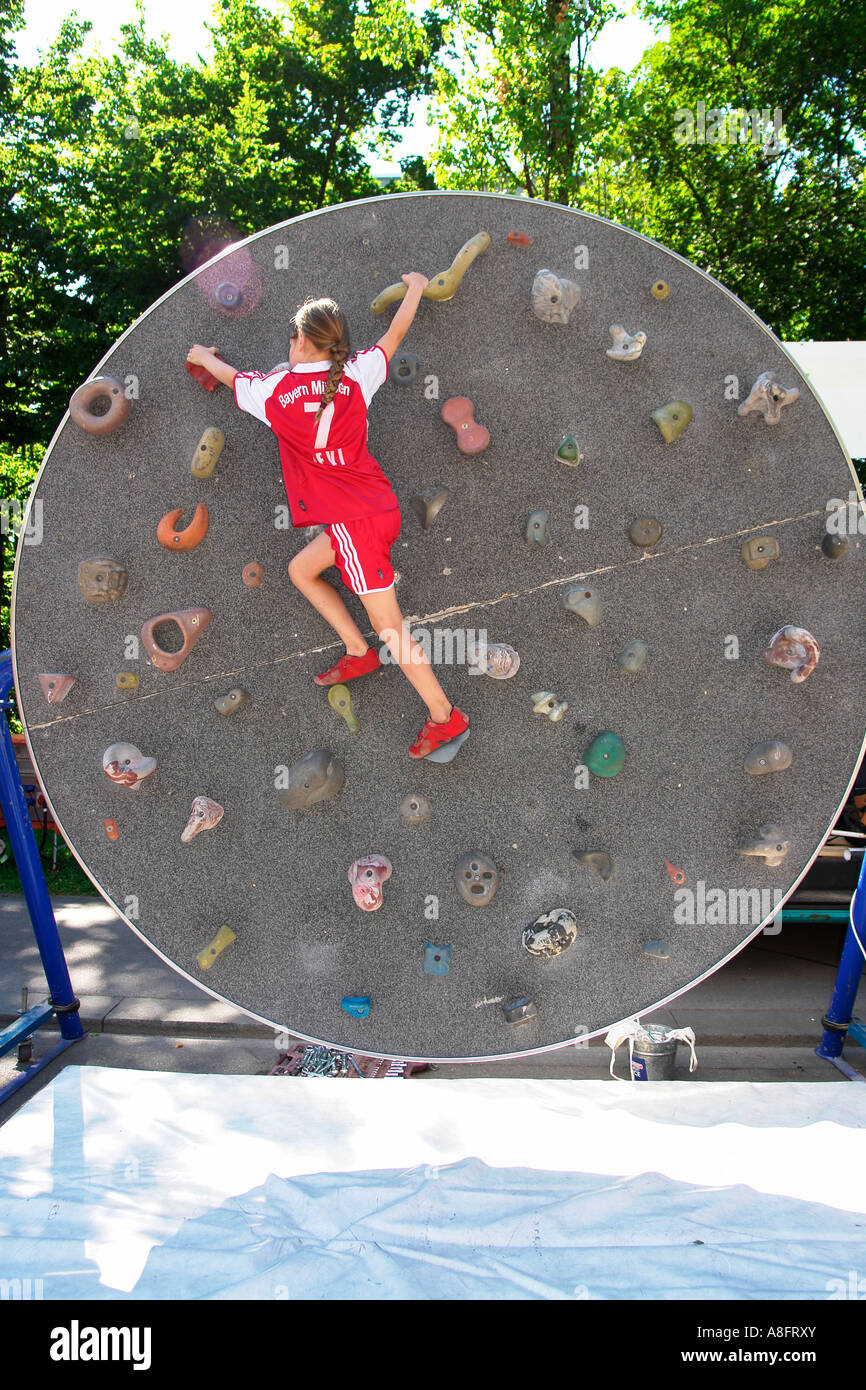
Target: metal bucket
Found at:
x=655, y=1055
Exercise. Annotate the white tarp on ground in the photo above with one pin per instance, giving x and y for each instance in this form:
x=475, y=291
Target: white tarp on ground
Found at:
x=123, y=1184
x=837, y=371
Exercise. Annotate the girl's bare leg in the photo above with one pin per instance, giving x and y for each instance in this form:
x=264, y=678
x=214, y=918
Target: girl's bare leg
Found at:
x=304, y=571
x=384, y=613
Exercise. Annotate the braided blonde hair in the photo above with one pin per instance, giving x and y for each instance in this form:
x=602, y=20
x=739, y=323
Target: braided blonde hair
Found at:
x=322, y=321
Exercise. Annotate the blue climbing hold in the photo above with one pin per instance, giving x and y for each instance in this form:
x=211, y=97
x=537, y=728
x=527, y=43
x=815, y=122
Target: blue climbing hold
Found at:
x=357, y=1005
x=437, y=959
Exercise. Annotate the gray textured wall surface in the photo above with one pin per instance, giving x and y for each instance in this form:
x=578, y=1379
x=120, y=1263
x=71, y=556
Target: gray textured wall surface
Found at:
x=279, y=878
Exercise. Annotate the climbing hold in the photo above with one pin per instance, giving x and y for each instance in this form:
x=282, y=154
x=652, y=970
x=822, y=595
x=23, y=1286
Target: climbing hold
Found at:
x=536, y=528
x=770, y=843
x=633, y=655
x=101, y=579
x=414, y=809
x=109, y=391
x=366, y=876
x=519, y=1010
x=759, y=551
x=477, y=878
x=202, y=375
x=569, y=452
x=189, y=538
x=605, y=755
x=586, y=603
x=314, y=778
x=675, y=875
x=551, y=934
x=672, y=419
x=627, y=347
x=111, y=829
x=356, y=1005
x=833, y=545
x=56, y=687
x=448, y=751
x=553, y=298
x=437, y=959
x=228, y=295
x=659, y=950
x=192, y=623
x=427, y=505
x=459, y=413
x=208, y=450
x=440, y=287
x=126, y=680
x=224, y=937
x=545, y=702
x=767, y=398
x=494, y=659
x=404, y=367
x=253, y=574
x=204, y=814
x=795, y=650
x=124, y=763
x=768, y=757
x=660, y=290
x=519, y=239
x=598, y=860
x=232, y=702
x=645, y=532
x=340, y=701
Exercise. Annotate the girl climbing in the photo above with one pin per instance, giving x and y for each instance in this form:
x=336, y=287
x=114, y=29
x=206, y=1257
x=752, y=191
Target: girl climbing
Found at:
x=318, y=411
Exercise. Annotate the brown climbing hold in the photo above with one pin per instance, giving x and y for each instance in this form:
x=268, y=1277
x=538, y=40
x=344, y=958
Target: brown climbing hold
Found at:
x=414, y=809
x=314, y=778
x=427, y=505
x=187, y=539
x=366, y=876
x=770, y=843
x=125, y=764
x=672, y=419
x=459, y=413
x=111, y=829
x=253, y=574
x=773, y=756
x=192, y=623
x=208, y=450
x=660, y=290
x=56, y=687
x=204, y=814
x=597, y=860
x=519, y=239
x=126, y=680
x=834, y=545
x=101, y=579
x=232, y=702
x=676, y=875
x=795, y=650
x=645, y=532
x=477, y=878
x=759, y=551
x=102, y=388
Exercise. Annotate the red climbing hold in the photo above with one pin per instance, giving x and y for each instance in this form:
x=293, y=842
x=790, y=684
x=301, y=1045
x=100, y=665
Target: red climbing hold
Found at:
x=519, y=239
x=677, y=875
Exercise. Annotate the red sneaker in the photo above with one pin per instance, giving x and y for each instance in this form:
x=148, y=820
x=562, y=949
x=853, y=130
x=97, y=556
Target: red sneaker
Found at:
x=434, y=736
x=348, y=667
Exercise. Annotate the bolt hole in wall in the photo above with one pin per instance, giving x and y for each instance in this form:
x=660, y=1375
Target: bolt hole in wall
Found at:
x=635, y=664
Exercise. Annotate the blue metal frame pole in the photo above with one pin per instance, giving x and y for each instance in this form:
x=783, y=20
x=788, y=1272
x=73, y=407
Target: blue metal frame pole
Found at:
x=838, y=1016
x=30, y=871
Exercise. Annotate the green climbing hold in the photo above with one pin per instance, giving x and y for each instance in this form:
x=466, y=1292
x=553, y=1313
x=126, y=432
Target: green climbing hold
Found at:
x=605, y=755
x=569, y=452
x=672, y=419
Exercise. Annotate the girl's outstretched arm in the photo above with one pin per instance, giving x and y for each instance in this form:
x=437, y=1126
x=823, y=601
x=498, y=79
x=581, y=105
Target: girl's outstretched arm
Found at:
x=205, y=357
x=390, y=341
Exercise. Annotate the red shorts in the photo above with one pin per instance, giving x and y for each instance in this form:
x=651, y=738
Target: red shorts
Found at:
x=363, y=550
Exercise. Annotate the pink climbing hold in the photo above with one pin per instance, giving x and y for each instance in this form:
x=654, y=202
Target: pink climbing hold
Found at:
x=795, y=650
x=366, y=876
x=204, y=815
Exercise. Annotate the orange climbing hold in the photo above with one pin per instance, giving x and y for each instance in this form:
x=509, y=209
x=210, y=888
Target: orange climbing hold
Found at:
x=111, y=829
x=519, y=239
x=459, y=413
x=189, y=538
x=677, y=875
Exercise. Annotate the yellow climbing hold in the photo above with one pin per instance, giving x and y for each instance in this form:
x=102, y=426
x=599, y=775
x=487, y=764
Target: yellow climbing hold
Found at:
x=224, y=937
x=341, y=702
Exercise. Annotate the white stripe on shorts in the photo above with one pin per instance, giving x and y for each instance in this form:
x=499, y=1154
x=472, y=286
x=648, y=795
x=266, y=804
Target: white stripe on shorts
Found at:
x=350, y=558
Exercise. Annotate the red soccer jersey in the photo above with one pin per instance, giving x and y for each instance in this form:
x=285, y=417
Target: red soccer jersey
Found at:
x=329, y=473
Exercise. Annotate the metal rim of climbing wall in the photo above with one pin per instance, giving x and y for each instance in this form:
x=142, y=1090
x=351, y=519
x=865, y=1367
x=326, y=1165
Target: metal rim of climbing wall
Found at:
x=374, y=228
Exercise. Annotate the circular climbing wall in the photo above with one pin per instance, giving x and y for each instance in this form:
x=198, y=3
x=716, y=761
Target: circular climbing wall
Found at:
x=523, y=790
